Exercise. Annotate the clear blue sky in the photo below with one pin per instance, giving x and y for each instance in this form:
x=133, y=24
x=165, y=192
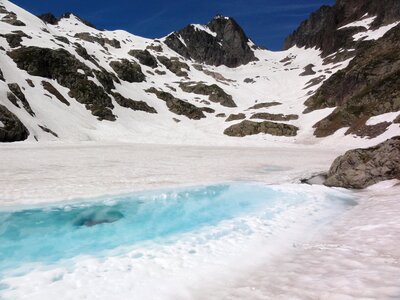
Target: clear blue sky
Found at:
x=267, y=22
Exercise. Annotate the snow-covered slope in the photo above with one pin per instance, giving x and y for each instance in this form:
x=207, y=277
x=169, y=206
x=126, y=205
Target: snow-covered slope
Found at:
x=52, y=108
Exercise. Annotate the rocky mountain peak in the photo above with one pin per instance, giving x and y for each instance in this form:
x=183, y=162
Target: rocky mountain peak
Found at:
x=324, y=28
x=221, y=42
x=51, y=19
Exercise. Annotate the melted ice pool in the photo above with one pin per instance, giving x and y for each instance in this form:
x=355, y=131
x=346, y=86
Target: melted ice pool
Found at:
x=193, y=220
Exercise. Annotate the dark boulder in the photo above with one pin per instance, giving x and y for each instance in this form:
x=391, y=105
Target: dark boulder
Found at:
x=361, y=168
x=132, y=104
x=235, y=117
x=174, y=65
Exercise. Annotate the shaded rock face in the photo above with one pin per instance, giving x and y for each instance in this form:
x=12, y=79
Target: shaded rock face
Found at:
x=52, y=90
x=174, y=65
x=14, y=39
x=132, y=104
x=144, y=57
x=12, y=130
x=178, y=106
x=48, y=18
x=17, y=94
x=369, y=86
x=235, y=117
x=128, y=71
x=361, y=168
x=251, y=128
x=320, y=30
x=10, y=17
x=215, y=93
x=274, y=117
x=227, y=45
x=63, y=67
x=86, y=36
x=264, y=105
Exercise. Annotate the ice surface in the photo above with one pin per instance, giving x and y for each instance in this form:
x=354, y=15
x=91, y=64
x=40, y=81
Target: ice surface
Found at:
x=49, y=248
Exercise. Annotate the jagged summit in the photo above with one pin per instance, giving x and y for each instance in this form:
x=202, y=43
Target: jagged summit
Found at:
x=221, y=42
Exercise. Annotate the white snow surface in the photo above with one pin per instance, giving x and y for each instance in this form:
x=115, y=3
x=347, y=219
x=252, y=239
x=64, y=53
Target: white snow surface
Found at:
x=364, y=22
x=354, y=256
x=374, y=34
x=273, y=81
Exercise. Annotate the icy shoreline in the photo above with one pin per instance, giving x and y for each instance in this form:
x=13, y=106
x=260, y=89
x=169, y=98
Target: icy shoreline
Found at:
x=354, y=257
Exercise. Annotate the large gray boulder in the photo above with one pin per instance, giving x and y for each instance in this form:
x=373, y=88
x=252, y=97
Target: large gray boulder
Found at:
x=361, y=168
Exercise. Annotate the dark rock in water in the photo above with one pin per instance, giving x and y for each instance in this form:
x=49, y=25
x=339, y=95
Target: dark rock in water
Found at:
x=97, y=217
x=321, y=28
x=250, y=128
x=178, y=106
x=144, y=57
x=368, y=87
x=361, y=168
x=215, y=93
x=48, y=18
x=128, y=71
x=62, y=66
x=223, y=43
x=12, y=130
x=174, y=65
x=132, y=104
x=52, y=90
x=16, y=90
x=235, y=117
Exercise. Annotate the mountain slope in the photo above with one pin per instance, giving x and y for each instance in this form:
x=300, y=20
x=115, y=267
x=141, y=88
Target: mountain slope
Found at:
x=64, y=80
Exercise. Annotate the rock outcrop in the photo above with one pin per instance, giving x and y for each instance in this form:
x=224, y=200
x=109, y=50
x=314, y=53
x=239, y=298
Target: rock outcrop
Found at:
x=221, y=42
x=128, y=71
x=11, y=128
x=320, y=30
x=369, y=86
x=215, y=93
x=361, y=168
x=251, y=128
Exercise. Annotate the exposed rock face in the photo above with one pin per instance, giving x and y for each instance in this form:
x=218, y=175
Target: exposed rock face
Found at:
x=52, y=90
x=174, y=65
x=320, y=30
x=13, y=130
x=10, y=17
x=223, y=43
x=178, y=106
x=128, y=71
x=215, y=93
x=264, y=105
x=363, y=167
x=369, y=86
x=235, y=117
x=48, y=18
x=308, y=70
x=19, y=95
x=132, y=104
x=14, y=39
x=250, y=128
x=274, y=117
x=63, y=67
x=144, y=57
x=86, y=36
